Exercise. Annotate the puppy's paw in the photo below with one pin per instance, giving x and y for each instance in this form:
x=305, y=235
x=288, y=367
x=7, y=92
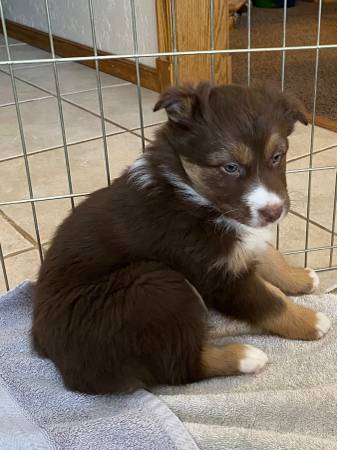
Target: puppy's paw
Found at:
x=231, y=359
x=314, y=279
x=298, y=322
x=322, y=325
x=301, y=281
x=253, y=360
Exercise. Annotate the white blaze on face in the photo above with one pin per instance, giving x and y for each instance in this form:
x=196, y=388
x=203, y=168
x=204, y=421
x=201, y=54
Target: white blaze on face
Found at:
x=258, y=198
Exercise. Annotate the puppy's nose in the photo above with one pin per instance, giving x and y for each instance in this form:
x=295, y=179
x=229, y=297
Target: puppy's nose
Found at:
x=271, y=213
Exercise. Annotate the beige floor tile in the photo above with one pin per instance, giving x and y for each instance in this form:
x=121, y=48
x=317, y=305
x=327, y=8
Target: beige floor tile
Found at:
x=10, y=40
x=41, y=125
x=322, y=196
x=49, y=215
x=317, y=260
x=11, y=240
x=87, y=166
x=121, y=105
x=23, y=52
x=13, y=182
x=20, y=268
x=25, y=91
x=299, y=141
x=292, y=238
x=327, y=280
x=72, y=77
x=88, y=161
x=48, y=175
x=49, y=178
x=326, y=158
x=322, y=187
x=292, y=234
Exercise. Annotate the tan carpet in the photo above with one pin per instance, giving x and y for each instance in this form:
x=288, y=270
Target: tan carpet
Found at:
x=267, y=31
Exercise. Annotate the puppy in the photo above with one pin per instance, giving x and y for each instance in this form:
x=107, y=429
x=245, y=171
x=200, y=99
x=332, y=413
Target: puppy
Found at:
x=120, y=298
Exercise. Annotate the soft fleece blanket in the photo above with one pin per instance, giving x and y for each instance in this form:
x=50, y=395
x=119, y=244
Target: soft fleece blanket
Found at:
x=291, y=405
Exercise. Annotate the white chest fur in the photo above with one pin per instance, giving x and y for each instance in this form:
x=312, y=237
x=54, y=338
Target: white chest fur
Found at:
x=250, y=243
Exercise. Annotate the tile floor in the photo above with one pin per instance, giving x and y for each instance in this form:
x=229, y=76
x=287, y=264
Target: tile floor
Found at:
x=43, y=137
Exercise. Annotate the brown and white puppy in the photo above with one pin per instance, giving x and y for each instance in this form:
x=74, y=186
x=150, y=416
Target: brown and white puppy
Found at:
x=120, y=299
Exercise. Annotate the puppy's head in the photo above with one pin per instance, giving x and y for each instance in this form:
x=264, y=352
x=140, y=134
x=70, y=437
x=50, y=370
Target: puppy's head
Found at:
x=232, y=143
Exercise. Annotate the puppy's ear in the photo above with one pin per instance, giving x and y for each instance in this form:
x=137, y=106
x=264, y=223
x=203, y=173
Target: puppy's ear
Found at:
x=295, y=110
x=182, y=104
x=286, y=106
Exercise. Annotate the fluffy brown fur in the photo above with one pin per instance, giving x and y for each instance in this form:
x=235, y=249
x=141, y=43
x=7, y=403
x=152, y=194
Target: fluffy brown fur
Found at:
x=120, y=298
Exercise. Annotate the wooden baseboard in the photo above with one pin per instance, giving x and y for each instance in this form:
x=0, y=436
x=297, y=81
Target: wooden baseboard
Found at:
x=325, y=122
x=121, y=68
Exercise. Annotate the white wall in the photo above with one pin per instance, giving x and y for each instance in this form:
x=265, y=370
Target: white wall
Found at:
x=70, y=20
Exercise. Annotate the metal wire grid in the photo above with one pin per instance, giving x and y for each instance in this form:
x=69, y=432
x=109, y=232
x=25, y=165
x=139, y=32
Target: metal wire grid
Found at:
x=32, y=200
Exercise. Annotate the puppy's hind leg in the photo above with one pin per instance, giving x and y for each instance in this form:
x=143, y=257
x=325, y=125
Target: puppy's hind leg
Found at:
x=168, y=334
x=232, y=359
x=144, y=325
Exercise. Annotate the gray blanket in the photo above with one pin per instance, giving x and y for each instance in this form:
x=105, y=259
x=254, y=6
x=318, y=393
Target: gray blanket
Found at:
x=291, y=405
x=36, y=412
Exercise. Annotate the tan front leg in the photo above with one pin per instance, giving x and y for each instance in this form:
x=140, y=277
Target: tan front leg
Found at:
x=273, y=267
x=256, y=301
x=295, y=321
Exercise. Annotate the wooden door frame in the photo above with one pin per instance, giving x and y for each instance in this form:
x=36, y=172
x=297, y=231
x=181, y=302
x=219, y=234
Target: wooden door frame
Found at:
x=188, y=26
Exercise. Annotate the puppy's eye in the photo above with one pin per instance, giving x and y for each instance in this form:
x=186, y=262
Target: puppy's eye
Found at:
x=231, y=169
x=276, y=159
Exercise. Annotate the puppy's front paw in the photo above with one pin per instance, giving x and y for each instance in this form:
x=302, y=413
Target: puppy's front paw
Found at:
x=253, y=360
x=314, y=280
x=301, y=281
x=323, y=324
x=299, y=322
